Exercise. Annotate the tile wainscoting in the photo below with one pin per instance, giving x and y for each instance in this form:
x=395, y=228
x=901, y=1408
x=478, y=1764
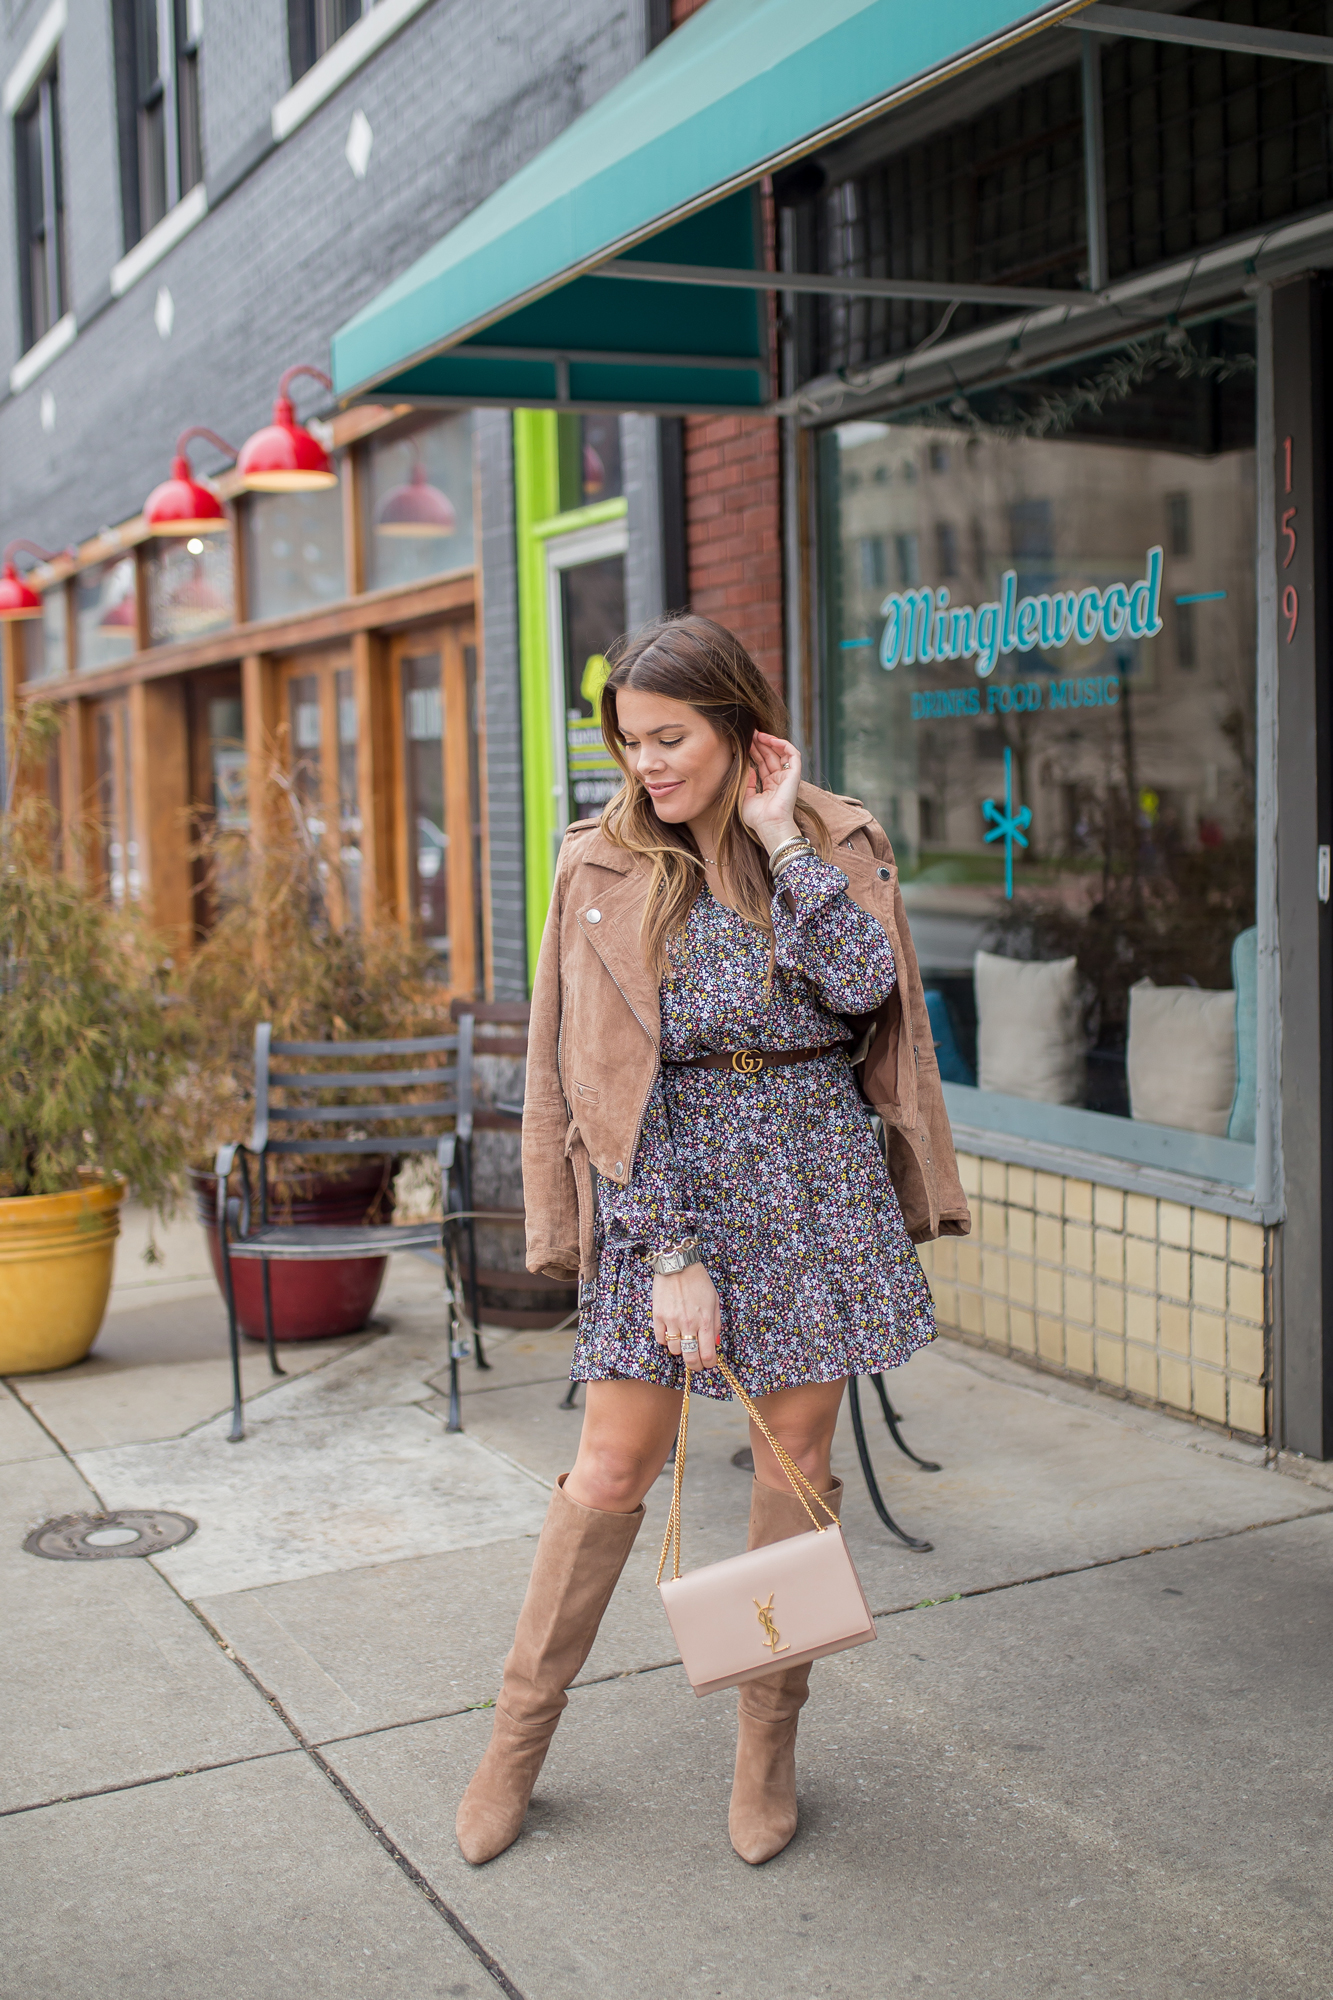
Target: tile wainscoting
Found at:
x=1162, y=1302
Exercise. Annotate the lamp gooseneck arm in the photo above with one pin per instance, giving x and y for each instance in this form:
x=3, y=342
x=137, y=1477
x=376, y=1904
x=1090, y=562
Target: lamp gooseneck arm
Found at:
x=202, y=431
x=301, y=368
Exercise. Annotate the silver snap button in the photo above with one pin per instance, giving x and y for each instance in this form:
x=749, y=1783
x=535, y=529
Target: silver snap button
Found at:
x=620, y=1166
x=884, y=874
x=593, y=916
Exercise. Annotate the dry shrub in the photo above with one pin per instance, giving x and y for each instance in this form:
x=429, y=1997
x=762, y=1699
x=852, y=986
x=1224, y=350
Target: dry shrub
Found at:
x=277, y=954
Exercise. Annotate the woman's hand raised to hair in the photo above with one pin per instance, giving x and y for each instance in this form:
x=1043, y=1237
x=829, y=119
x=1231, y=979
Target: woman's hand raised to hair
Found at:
x=685, y=1306
x=769, y=805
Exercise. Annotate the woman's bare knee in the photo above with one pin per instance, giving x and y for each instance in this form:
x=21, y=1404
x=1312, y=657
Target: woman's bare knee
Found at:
x=610, y=1476
x=627, y=1432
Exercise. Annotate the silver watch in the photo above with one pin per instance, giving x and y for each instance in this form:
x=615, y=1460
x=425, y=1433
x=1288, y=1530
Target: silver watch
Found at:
x=679, y=1257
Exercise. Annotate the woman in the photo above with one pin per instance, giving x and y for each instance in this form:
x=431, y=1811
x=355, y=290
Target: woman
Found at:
x=726, y=954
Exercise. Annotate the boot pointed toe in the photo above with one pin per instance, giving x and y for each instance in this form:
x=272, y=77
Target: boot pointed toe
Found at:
x=758, y=1835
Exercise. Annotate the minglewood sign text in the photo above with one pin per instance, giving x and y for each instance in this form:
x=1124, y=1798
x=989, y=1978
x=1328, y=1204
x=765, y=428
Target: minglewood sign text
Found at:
x=921, y=625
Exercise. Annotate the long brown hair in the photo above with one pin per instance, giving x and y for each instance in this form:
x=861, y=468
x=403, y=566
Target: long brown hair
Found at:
x=692, y=659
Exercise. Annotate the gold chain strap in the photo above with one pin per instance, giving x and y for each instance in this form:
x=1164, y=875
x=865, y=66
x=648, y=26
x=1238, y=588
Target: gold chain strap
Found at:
x=802, y=1487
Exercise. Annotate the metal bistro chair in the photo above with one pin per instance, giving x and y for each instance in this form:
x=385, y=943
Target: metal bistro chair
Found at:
x=306, y=1093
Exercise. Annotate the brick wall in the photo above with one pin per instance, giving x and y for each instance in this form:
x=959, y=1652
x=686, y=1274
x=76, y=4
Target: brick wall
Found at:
x=733, y=516
x=733, y=529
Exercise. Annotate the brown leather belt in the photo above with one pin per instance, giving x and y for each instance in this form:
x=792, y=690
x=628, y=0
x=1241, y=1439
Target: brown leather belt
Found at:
x=748, y=1062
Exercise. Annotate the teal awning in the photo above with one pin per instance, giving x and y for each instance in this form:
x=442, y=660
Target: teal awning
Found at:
x=662, y=171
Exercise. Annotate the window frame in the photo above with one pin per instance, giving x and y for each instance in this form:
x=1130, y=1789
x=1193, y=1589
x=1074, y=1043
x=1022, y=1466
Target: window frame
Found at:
x=176, y=31
x=308, y=30
x=42, y=105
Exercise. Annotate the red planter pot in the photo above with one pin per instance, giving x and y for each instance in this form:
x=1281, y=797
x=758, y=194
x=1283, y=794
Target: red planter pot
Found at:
x=310, y=1301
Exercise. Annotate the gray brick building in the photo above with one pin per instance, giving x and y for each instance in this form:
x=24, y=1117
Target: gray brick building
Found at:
x=193, y=195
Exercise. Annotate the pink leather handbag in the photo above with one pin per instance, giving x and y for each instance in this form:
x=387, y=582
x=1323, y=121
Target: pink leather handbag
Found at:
x=772, y=1607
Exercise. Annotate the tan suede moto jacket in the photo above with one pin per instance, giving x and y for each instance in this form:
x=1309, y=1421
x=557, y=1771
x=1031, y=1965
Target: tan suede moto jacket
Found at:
x=594, y=1041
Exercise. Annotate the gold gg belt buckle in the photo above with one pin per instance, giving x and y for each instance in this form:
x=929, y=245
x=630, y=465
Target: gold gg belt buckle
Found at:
x=747, y=1061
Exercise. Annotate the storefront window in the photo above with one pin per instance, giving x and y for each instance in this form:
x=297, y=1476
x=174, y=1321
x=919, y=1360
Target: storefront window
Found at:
x=44, y=640
x=106, y=614
x=191, y=588
x=303, y=722
x=293, y=552
x=590, y=462
x=418, y=515
x=349, y=794
x=427, y=841
x=1041, y=667
x=228, y=770
x=118, y=847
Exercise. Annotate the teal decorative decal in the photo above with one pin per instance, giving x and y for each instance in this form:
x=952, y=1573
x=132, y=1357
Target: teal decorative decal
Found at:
x=1009, y=825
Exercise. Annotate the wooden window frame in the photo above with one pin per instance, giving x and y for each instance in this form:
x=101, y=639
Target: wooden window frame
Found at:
x=450, y=640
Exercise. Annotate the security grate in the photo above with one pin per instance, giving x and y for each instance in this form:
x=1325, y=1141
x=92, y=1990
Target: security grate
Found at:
x=1200, y=145
x=997, y=199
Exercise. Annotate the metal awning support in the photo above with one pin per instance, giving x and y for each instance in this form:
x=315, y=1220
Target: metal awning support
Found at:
x=1233, y=36
x=843, y=287
x=1094, y=165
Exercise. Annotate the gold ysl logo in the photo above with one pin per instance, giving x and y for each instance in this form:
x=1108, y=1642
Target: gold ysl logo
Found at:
x=772, y=1636
x=748, y=1062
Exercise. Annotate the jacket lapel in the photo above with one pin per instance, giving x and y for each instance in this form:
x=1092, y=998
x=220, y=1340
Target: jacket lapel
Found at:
x=618, y=890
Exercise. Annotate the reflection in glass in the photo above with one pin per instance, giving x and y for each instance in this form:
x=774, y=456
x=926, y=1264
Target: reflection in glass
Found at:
x=227, y=764
x=305, y=734
x=44, y=639
x=118, y=846
x=106, y=615
x=592, y=603
x=293, y=552
x=190, y=588
x=1061, y=701
x=349, y=795
x=427, y=841
x=590, y=461
x=419, y=502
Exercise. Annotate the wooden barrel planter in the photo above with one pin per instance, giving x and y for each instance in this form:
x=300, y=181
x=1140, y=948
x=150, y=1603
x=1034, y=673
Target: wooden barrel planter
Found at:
x=310, y=1301
x=523, y=1299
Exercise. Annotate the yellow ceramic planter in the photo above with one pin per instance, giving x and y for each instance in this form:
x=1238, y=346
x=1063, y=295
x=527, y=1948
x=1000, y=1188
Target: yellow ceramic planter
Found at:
x=56, y=1254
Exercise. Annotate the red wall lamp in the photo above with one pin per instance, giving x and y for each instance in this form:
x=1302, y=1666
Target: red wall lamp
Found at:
x=183, y=505
x=284, y=457
x=17, y=598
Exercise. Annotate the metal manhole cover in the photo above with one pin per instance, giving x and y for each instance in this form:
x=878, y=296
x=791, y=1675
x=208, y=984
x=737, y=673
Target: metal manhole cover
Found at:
x=97, y=1537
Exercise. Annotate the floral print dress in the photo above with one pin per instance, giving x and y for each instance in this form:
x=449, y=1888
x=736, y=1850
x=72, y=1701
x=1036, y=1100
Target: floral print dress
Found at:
x=778, y=1174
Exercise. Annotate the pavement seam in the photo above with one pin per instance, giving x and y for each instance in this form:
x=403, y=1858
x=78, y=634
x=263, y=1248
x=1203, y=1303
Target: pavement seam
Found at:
x=406, y=1867
x=1112, y=1404
x=139, y=1784
x=223, y=1416
x=890, y=1611
x=1107, y=1562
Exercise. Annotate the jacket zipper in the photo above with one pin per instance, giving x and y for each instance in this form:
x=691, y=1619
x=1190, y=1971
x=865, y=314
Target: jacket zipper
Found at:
x=560, y=1065
x=657, y=1071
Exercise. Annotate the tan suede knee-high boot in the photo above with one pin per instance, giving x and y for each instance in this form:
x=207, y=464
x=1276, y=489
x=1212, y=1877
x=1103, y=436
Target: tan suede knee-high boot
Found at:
x=579, y=1559
x=763, y=1793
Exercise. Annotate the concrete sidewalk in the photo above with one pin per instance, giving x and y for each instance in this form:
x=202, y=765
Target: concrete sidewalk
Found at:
x=1090, y=1755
